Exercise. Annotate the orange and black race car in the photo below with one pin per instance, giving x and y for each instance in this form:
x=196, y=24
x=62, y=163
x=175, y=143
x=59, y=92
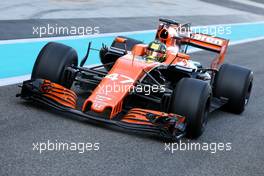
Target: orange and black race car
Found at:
x=150, y=88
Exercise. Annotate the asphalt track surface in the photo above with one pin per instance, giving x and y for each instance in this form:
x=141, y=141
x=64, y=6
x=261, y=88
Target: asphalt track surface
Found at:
x=53, y=9
x=123, y=153
x=238, y=6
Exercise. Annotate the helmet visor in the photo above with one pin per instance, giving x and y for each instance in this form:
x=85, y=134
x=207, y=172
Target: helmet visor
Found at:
x=154, y=54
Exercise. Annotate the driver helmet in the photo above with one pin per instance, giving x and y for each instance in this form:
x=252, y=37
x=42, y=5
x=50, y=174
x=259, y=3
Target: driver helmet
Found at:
x=156, y=51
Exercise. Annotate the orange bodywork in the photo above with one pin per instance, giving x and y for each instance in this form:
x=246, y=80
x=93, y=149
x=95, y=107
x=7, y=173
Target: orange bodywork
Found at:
x=59, y=94
x=116, y=85
x=139, y=50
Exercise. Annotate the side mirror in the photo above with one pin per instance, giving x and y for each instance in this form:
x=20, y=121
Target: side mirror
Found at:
x=120, y=40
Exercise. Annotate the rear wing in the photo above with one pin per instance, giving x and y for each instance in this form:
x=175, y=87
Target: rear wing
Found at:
x=210, y=43
x=173, y=33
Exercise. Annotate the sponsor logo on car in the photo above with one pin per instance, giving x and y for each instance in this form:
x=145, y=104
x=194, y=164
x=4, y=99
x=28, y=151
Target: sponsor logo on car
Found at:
x=208, y=39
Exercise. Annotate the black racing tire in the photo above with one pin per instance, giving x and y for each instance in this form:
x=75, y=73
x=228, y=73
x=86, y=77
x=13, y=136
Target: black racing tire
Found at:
x=52, y=62
x=234, y=83
x=130, y=43
x=191, y=99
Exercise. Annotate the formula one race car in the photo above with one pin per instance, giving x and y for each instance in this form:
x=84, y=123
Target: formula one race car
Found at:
x=153, y=88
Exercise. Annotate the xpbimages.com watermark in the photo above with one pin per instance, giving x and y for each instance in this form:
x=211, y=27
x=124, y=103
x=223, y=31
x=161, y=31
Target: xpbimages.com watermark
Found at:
x=212, y=147
x=214, y=30
x=50, y=30
x=123, y=83
x=60, y=146
x=144, y=89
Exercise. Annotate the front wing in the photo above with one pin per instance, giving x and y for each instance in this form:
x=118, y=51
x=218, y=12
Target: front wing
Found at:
x=166, y=125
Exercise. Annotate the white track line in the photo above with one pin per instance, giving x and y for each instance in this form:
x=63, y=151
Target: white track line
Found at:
x=251, y=3
x=19, y=79
x=247, y=40
x=14, y=80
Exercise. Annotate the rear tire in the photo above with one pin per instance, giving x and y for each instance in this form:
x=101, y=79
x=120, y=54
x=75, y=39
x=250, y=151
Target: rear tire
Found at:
x=234, y=83
x=52, y=62
x=191, y=99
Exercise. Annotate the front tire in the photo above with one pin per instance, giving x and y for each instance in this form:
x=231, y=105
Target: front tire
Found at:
x=191, y=98
x=52, y=62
